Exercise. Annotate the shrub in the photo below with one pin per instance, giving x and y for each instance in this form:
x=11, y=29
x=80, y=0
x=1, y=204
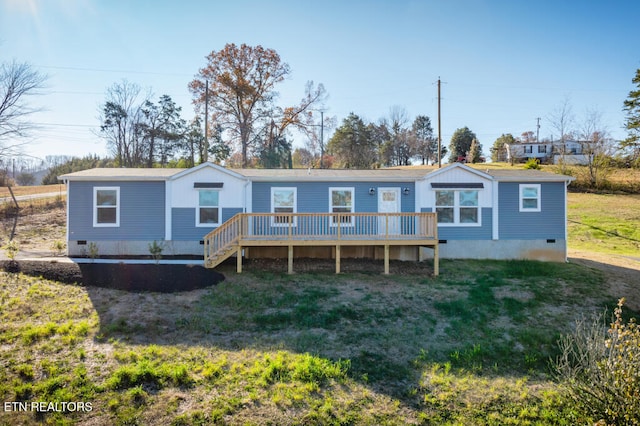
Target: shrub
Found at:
x=155, y=250
x=58, y=247
x=532, y=163
x=11, y=249
x=600, y=369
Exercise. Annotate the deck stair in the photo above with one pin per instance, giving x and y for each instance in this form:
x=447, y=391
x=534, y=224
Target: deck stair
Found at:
x=221, y=243
x=320, y=229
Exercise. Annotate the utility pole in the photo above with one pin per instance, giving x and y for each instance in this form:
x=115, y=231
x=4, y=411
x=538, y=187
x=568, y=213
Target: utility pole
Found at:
x=439, y=129
x=205, y=153
x=538, y=130
x=321, y=139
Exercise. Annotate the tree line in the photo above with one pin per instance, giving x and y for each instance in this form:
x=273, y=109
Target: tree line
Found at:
x=239, y=121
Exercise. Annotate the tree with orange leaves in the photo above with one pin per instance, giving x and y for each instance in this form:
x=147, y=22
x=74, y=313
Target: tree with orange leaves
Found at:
x=241, y=95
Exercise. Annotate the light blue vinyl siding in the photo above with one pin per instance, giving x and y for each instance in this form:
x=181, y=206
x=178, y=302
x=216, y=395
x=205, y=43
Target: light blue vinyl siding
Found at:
x=482, y=232
x=313, y=197
x=142, y=211
x=183, y=223
x=549, y=223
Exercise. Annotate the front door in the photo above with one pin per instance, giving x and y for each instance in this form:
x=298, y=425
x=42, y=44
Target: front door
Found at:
x=389, y=202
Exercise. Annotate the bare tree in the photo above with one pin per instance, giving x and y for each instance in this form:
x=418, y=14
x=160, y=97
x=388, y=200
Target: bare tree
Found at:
x=120, y=116
x=399, y=148
x=18, y=81
x=299, y=117
x=242, y=90
x=597, y=147
x=561, y=120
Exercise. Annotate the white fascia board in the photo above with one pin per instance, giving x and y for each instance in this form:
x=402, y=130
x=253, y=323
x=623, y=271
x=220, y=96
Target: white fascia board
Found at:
x=454, y=166
x=211, y=166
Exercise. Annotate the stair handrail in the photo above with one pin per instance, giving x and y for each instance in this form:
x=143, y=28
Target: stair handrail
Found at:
x=223, y=237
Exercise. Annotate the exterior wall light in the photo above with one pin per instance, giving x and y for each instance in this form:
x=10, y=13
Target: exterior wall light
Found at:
x=372, y=191
x=406, y=191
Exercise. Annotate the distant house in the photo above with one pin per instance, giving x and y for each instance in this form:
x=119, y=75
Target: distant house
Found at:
x=408, y=214
x=568, y=152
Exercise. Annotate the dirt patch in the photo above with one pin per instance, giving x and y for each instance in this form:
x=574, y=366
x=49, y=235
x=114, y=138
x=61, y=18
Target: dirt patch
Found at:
x=513, y=293
x=35, y=229
x=347, y=265
x=622, y=274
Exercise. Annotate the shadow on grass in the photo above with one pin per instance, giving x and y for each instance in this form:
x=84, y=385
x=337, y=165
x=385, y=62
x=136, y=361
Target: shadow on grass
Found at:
x=490, y=317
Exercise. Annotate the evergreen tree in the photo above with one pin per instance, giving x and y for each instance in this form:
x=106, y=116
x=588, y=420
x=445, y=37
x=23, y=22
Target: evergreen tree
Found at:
x=352, y=144
x=425, y=144
x=632, y=123
x=475, y=152
x=461, y=144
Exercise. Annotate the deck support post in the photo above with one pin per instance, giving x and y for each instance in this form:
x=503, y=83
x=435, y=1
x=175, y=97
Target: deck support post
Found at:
x=337, y=259
x=239, y=259
x=290, y=263
x=436, y=262
x=386, y=259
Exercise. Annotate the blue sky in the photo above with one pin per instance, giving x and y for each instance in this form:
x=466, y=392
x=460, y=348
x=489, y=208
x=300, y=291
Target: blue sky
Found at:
x=502, y=63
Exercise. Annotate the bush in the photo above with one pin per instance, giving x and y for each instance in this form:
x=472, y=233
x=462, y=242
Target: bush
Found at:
x=599, y=369
x=11, y=249
x=532, y=163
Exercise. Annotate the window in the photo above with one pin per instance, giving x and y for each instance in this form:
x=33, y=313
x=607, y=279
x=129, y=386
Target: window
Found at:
x=542, y=149
x=528, y=149
x=529, y=197
x=208, y=213
x=341, y=201
x=458, y=207
x=106, y=206
x=283, y=200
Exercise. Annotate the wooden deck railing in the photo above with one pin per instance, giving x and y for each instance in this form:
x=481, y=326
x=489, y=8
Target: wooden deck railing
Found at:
x=319, y=229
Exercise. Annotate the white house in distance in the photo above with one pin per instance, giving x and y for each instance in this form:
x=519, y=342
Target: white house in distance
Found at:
x=549, y=152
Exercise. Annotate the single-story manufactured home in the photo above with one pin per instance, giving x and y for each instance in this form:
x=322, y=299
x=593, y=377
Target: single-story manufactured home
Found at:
x=408, y=214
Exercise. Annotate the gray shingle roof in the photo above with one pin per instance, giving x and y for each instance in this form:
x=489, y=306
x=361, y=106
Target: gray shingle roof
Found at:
x=301, y=175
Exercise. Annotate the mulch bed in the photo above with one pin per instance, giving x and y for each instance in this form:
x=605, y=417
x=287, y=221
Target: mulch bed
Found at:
x=123, y=276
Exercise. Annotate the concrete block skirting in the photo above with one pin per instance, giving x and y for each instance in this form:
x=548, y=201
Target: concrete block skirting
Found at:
x=544, y=250
x=135, y=248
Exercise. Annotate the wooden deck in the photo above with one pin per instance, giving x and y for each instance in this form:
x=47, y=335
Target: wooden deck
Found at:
x=320, y=229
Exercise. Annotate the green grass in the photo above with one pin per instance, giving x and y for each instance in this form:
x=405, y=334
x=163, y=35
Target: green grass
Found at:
x=604, y=223
x=470, y=347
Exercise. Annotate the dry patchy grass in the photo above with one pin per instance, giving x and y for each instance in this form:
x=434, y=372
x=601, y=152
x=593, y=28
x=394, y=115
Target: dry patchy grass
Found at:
x=31, y=190
x=264, y=347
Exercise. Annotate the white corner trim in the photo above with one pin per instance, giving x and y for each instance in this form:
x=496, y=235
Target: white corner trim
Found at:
x=495, y=213
x=167, y=211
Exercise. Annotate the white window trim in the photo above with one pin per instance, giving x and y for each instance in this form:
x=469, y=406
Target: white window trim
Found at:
x=295, y=203
x=521, y=189
x=353, y=204
x=95, y=206
x=198, y=206
x=456, y=209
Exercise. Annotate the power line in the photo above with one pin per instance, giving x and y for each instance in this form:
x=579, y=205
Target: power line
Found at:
x=65, y=125
x=114, y=71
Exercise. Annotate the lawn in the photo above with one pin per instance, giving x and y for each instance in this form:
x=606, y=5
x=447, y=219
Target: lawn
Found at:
x=604, y=223
x=470, y=347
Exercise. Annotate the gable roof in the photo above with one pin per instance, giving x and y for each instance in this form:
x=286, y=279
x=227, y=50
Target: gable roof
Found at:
x=330, y=175
x=510, y=175
x=450, y=167
x=121, y=174
x=314, y=175
x=208, y=165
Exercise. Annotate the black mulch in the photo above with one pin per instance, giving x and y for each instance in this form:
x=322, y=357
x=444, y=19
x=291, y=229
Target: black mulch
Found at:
x=122, y=276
